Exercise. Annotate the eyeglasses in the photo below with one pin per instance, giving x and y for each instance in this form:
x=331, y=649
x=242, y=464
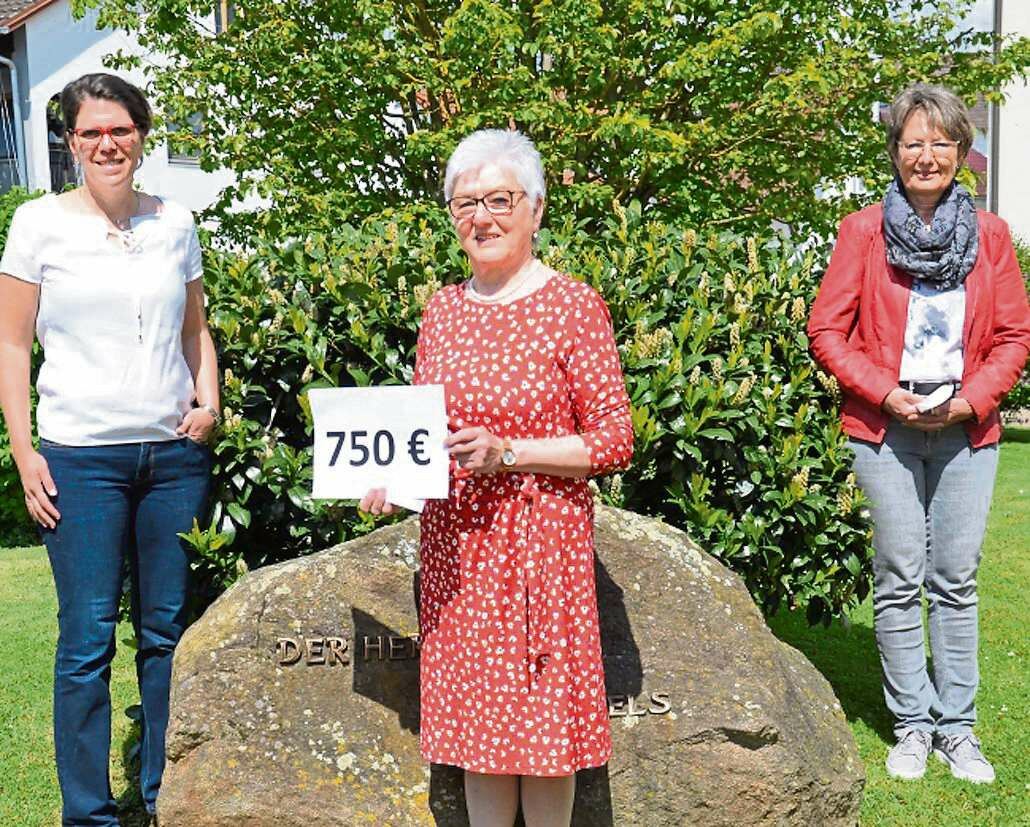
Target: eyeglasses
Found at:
x=914, y=149
x=498, y=202
x=95, y=134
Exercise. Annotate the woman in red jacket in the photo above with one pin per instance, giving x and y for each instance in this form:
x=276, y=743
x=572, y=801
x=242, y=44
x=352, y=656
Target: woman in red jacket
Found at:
x=922, y=317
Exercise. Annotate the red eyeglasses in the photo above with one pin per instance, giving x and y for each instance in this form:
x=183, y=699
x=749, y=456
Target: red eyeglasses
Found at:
x=94, y=134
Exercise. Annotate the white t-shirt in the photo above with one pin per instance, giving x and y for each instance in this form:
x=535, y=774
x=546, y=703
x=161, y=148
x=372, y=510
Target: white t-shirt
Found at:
x=110, y=320
x=933, y=334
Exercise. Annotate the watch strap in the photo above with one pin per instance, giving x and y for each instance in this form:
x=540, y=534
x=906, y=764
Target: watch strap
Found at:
x=214, y=413
x=508, y=457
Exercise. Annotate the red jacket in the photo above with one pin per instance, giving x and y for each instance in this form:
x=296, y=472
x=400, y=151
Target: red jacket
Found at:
x=857, y=326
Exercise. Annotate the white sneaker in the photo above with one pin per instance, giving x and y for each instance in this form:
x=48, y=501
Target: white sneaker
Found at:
x=907, y=758
x=962, y=755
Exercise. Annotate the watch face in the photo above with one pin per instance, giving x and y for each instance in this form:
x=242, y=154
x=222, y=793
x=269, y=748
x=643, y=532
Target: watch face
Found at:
x=508, y=458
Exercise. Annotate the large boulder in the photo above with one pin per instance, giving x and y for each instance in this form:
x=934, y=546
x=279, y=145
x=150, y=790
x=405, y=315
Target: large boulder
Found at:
x=295, y=699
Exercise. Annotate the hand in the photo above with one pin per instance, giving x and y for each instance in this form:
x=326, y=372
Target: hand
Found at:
x=39, y=489
x=197, y=425
x=476, y=449
x=374, y=502
x=947, y=413
x=901, y=404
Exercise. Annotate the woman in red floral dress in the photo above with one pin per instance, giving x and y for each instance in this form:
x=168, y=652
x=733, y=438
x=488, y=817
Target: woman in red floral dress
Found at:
x=511, y=675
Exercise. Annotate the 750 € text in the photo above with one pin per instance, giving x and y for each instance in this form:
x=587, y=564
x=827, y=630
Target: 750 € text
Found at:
x=383, y=447
x=388, y=437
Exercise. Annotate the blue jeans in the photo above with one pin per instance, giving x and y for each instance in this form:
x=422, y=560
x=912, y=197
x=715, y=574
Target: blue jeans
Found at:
x=929, y=497
x=117, y=501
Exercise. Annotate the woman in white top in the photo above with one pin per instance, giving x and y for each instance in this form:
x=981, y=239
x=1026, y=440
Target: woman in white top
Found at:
x=109, y=280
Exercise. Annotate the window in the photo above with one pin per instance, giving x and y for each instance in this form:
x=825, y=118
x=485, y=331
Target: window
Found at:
x=62, y=167
x=225, y=13
x=182, y=148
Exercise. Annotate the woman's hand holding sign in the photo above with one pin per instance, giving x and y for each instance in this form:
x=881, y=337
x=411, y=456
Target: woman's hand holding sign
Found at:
x=374, y=502
x=476, y=449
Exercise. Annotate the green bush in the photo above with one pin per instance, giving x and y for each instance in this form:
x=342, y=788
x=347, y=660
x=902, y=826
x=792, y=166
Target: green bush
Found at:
x=15, y=526
x=1019, y=397
x=1022, y=256
x=737, y=436
x=331, y=310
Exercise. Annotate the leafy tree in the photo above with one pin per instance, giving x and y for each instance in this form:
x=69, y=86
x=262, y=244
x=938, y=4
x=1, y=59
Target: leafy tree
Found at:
x=717, y=112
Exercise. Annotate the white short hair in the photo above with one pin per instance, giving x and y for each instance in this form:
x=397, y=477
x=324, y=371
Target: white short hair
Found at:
x=505, y=147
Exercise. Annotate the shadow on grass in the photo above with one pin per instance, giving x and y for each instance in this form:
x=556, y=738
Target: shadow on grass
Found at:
x=847, y=657
x=1014, y=433
x=131, y=812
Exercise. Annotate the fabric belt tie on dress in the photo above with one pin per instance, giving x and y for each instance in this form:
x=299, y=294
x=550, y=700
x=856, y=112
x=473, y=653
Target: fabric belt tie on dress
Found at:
x=461, y=478
x=541, y=570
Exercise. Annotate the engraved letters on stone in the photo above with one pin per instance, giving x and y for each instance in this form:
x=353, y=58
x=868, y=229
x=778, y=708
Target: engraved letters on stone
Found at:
x=312, y=651
x=295, y=650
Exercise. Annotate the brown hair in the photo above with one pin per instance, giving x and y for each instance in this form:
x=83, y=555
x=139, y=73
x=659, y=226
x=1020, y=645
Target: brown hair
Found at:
x=104, y=86
x=944, y=110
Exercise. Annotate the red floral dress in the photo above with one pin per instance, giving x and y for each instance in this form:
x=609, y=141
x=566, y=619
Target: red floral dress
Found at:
x=511, y=672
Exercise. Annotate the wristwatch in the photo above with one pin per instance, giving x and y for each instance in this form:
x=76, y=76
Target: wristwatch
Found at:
x=508, y=457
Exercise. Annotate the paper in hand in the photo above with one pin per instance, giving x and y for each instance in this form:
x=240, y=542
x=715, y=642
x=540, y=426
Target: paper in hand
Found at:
x=938, y=397
x=388, y=437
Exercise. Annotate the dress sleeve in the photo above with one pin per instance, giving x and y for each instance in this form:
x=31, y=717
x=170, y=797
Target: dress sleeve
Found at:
x=194, y=260
x=20, y=258
x=597, y=389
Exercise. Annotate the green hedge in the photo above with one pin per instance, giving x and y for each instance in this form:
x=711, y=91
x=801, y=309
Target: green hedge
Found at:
x=15, y=527
x=737, y=437
x=1019, y=396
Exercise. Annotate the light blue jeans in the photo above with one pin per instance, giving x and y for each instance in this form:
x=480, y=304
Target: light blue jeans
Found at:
x=929, y=497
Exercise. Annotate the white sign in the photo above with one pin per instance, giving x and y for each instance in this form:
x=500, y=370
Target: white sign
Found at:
x=383, y=437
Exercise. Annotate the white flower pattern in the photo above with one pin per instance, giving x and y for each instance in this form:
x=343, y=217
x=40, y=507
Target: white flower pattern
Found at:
x=512, y=680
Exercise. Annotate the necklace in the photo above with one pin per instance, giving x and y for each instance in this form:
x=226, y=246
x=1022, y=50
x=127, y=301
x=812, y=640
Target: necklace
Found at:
x=496, y=298
x=121, y=225
x=125, y=224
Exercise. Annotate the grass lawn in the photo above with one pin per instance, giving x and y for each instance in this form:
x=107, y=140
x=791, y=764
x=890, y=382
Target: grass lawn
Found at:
x=846, y=656
x=28, y=636
x=848, y=659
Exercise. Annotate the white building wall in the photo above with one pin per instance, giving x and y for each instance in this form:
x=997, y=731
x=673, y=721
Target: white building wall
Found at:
x=1013, y=180
x=56, y=49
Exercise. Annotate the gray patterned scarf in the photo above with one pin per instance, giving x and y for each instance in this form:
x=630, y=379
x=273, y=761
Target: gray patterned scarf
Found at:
x=942, y=255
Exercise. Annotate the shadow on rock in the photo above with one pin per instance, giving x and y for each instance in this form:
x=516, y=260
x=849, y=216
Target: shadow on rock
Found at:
x=623, y=672
x=847, y=657
x=386, y=668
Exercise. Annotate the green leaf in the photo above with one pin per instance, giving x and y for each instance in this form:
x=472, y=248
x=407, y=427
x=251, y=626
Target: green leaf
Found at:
x=239, y=514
